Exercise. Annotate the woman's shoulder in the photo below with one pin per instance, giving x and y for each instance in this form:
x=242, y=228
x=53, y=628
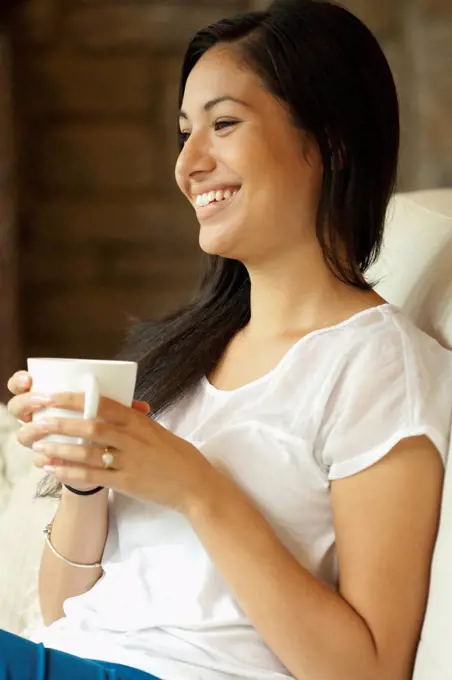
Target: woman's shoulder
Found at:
x=382, y=356
x=387, y=334
x=392, y=380
x=398, y=336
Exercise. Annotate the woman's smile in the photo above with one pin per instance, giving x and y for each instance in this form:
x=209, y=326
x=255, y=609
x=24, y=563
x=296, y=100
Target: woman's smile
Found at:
x=212, y=202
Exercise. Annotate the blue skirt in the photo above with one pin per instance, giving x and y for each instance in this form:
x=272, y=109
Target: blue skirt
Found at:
x=21, y=659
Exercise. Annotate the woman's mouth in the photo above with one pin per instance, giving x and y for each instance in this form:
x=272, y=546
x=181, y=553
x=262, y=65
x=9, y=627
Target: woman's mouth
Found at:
x=212, y=202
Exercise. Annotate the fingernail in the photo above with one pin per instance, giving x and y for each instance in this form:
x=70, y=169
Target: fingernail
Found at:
x=23, y=380
x=38, y=446
x=49, y=468
x=48, y=423
x=41, y=399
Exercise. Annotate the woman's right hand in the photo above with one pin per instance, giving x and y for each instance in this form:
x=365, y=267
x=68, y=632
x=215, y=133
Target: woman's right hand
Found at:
x=25, y=402
x=23, y=405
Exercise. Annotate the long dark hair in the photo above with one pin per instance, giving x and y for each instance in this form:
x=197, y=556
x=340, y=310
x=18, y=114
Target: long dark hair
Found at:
x=330, y=72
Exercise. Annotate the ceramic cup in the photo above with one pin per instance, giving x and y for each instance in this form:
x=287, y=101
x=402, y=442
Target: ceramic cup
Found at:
x=113, y=379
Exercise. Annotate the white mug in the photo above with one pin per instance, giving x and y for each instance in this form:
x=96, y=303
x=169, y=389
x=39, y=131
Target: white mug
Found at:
x=113, y=379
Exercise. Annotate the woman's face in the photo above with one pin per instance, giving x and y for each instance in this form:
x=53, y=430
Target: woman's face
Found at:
x=252, y=177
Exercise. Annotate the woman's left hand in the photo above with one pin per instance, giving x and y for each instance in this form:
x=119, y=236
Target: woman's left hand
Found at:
x=149, y=462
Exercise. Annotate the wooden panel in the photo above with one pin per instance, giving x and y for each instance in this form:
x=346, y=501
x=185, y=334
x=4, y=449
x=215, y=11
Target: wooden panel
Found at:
x=8, y=307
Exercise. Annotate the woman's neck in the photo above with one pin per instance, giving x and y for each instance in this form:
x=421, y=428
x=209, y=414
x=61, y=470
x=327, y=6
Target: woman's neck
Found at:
x=290, y=301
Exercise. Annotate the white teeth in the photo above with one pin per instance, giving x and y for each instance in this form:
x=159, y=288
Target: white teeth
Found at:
x=203, y=200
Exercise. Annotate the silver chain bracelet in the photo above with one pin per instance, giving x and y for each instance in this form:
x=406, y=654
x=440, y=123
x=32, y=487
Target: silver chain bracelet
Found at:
x=48, y=534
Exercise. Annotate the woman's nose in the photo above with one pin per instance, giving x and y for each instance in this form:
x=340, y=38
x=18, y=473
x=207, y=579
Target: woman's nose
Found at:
x=196, y=157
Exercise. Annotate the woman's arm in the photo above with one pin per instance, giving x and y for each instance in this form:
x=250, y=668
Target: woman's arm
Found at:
x=386, y=522
x=79, y=533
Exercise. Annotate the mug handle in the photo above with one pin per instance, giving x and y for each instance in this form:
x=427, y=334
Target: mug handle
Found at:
x=92, y=396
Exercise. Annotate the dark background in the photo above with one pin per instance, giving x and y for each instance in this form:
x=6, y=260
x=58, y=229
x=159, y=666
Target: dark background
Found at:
x=92, y=228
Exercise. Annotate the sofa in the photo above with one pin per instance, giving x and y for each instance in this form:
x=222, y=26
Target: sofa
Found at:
x=414, y=272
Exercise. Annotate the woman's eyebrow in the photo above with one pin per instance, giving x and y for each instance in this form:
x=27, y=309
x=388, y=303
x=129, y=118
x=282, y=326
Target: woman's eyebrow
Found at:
x=208, y=106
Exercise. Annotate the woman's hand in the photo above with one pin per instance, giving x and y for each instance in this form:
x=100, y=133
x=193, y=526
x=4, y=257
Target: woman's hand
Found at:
x=149, y=462
x=26, y=403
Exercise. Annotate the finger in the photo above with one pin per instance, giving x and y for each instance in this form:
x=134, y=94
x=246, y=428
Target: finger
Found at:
x=109, y=410
x=25, y=405
x=79, y=454
x=72, y=475
x=41, y=461
x=93, y=431
x=141, y=406
x=20, y=382
x=30, y=433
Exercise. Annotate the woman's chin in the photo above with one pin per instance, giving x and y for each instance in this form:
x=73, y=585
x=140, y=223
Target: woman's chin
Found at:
x=211, y=249
x=222, y=244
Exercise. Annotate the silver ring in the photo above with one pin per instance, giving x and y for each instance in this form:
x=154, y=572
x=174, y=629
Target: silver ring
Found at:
x=108, y=458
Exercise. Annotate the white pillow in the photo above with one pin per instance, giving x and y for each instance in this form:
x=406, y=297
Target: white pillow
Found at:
x=415, y=273
x=434, y=659
x=414, y=270
x=22, y=520
x=22, y=542
x=6, y=428
x=17, y=458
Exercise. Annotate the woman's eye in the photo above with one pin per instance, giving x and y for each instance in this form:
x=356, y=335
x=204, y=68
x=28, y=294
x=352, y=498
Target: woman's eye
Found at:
x=223, y=124
x=183, y=137
x=218, y=125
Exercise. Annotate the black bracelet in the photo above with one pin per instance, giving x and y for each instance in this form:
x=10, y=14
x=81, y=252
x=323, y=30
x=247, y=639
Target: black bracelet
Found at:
x=90, y=492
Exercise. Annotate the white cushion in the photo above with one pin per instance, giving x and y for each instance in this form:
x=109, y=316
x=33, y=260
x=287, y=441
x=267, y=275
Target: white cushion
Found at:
x=16, y=459
x=415, y=273
x=5, y=434
x=414, y=269
x=435, y=641
x=22, y=541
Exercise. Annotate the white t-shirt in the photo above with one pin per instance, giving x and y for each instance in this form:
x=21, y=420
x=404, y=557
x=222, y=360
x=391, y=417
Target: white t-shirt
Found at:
x=338, y=401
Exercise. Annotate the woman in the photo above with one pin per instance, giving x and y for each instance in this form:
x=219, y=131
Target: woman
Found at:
x=276, y=516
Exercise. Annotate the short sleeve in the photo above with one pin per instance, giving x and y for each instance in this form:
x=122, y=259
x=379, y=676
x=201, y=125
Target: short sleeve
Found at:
x=397, y=385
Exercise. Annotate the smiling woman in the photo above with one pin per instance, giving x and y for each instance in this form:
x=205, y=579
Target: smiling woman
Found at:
x=222, y=148
x=285, y=492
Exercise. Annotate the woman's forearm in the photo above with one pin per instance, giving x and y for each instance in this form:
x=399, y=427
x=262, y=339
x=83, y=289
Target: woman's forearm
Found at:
x=314, y=632
x=79, y=533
